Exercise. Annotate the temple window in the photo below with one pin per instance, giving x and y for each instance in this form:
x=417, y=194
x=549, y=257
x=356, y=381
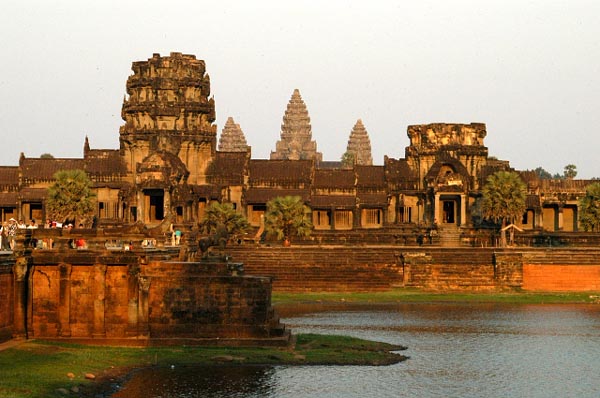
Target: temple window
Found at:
x=405, y=214
x=321, y=219
x=371, y=218
x=254, y=214
x=201, y=209
x=343, y=219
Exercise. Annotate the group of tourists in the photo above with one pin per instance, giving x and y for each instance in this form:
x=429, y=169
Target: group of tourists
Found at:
x=8, y=233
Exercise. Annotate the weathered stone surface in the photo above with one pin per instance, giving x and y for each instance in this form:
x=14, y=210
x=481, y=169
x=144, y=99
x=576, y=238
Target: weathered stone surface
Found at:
x=296, y=134
x=232, y=138
x=155, y=299
x=359, y=145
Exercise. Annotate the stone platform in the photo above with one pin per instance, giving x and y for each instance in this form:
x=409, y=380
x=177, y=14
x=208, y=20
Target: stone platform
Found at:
x=141, y=297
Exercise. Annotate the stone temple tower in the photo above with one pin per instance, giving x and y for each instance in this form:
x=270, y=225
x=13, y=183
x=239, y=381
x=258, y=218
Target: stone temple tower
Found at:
x=359, y=145
x=168, y=139
x=169, y=112
x=232, y=138
x=296, y=134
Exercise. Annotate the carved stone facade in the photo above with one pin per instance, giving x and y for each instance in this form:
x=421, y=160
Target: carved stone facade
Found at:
x=232, y=138
x=296, y=134
x=167, y=169
x=359, y=145
x=168, y=139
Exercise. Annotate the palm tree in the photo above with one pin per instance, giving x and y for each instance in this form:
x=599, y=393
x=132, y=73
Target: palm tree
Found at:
x=589, y=208
x=287, y=216
x=71, y=197
x=503, y=198
x=224, y=214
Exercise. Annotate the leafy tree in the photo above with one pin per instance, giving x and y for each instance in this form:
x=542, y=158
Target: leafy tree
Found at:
x=570, y=171
x=71, y=197
x=224, y=213
x=542, y=173
x=46, y=156
x=589, y=208
x=287, y=216
x=503, y=198
x=348, y=159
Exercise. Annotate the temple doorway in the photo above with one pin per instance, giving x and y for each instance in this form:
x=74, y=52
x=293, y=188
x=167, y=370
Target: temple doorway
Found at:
x=448, y=211
x=154, y=201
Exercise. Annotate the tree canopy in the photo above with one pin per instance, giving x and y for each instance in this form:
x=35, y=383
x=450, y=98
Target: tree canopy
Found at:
x=503, y=197
x=570, y=171
x=71, y=197
x=224, y=213
x=348, y=159
x=589, y=208
x=287, y=216
x=542, y=173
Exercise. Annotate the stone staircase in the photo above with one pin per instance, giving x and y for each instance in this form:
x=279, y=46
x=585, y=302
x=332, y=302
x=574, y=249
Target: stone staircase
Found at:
x=449, y=235
x=314, y=268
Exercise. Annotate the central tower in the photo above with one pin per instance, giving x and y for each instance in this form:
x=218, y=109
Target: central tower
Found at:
x=168, y=110
x=168, y=139
x=296, y=134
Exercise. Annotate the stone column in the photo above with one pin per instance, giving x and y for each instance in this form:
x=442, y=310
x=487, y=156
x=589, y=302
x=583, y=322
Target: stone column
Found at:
x=64, y=300
x=167, y=205
x=332, y=220
x=20, y=299
x=463, y=210
x=99, y=290
x=561, y=222
x=140, y=209
x=436, y=209
x=356, y=218
x=143, y=316
x=132, y=300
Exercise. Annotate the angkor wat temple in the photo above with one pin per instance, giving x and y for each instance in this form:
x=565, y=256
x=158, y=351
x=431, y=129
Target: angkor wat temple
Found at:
x=169, y=165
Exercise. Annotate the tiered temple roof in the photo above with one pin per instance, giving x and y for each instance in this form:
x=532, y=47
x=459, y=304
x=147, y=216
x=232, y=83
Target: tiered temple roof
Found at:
x=359, y=145
x=296, y=134
x=232, y=138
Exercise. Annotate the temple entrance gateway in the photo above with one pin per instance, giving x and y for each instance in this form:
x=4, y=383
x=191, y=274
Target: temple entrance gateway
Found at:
x=448, y=211
x=154, y=202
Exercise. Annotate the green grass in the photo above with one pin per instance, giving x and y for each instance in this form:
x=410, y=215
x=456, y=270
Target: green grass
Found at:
x=420, y=296
x=39, y=369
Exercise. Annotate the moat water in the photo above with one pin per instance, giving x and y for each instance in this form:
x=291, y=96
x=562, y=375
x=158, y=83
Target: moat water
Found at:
x=456, y=350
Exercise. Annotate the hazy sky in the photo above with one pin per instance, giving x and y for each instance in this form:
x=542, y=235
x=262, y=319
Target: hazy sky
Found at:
x=530, y=70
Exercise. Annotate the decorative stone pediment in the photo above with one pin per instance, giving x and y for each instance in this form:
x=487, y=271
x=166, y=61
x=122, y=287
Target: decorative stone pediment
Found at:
x=449, y=175
x=161, y=169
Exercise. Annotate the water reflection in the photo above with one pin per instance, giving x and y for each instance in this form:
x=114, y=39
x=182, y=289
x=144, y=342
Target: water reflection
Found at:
x=456, y=350
x=200, y=381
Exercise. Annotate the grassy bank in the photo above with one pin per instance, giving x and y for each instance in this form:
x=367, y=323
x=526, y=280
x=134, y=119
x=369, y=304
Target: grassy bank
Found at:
x=43, y=369
x=412, y=295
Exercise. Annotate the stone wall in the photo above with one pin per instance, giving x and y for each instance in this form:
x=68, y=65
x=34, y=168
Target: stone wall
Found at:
x=380, y=268
x=6, y=297
x=140, y=297
x=562, y=270
x=316, y=268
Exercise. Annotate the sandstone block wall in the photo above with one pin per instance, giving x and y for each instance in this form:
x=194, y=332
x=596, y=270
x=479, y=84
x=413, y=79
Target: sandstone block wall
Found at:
x=314, y=268
x=187, y=300
x=565, y=270
x=95, y=295
x=6, y=298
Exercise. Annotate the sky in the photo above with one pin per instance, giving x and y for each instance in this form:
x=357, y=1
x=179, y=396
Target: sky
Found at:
x=529, y=70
